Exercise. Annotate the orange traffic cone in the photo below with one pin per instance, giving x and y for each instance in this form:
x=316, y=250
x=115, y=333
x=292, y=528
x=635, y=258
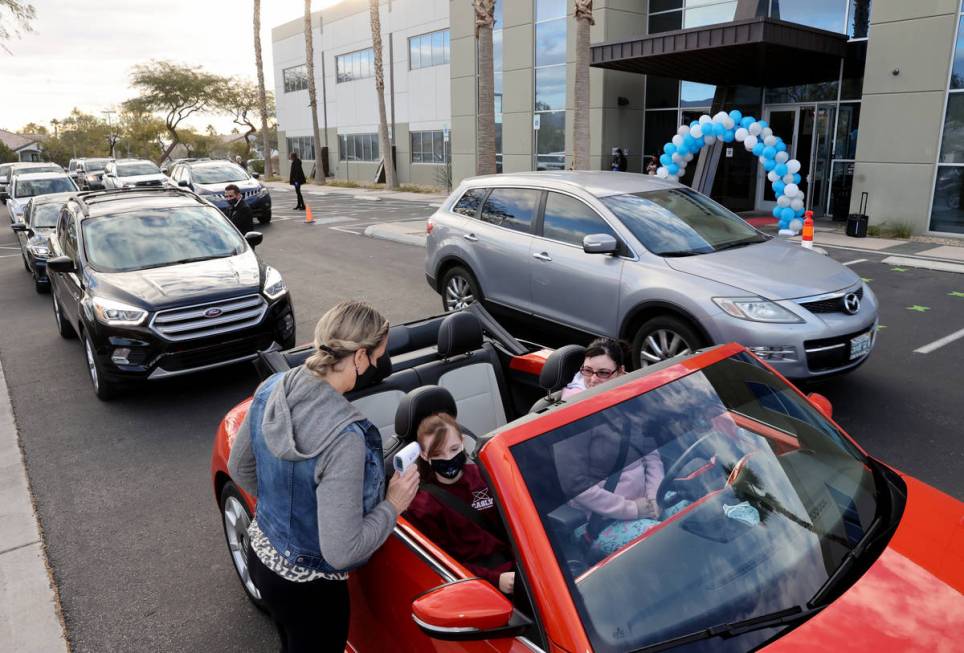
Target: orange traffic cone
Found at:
x=806, y=237
x=308, y=217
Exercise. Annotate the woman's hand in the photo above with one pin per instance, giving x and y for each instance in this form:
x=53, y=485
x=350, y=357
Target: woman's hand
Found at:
x=402, y=489
x=646, y=508
x=507, y=582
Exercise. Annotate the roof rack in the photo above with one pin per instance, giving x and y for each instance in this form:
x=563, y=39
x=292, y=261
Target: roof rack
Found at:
x=87, y=198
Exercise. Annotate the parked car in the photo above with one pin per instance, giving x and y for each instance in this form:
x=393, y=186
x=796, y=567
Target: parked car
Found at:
x=90, y=173
x=39, y=223
x=650, y=261
x=777, y=531
x=168, y=166
x=208, y=179
x=157, y=283
x=24, y=187
x=10, y=170
x=131, y=173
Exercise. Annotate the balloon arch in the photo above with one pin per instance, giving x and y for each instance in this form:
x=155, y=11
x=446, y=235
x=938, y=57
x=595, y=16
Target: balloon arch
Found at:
x=758, y=139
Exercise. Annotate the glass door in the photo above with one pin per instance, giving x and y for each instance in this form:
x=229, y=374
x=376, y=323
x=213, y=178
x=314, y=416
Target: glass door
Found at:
x=783, y=121
x=820, y=175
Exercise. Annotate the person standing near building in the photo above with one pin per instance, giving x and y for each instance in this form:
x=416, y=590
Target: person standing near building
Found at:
x=238, y=211
x=297, y=178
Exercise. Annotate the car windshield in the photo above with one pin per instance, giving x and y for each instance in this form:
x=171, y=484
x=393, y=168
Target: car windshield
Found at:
x=95, y=165
x=680, y=222
x=159, y=237
x=34, y=187
x=44, y=215
x=135, y=169
x=758, y=500
x=218, y=174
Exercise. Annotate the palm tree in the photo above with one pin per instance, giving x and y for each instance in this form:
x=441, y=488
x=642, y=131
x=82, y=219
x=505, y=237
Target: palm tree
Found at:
x=312, y=94
x=262, y=96
x=384, y=143
x=580, y=118
x=484, y=23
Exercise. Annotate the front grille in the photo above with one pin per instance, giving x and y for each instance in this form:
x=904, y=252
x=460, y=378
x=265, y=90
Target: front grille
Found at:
x=246, y=194
x=153, y=182
x=831, y=305
x=193, y=358
x=203, y=320
x=830, y=353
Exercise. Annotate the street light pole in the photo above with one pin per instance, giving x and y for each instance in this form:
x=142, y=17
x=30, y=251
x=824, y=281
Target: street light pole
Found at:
x=111, y=139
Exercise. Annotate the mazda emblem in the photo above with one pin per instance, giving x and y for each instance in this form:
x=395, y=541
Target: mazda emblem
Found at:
x=851, y=303
x=216, y=312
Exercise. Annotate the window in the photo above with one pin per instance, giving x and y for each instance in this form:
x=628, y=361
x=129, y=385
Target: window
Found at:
x=823, y=14
x=569, y=220
x=550, y=84
x=429, y=147
x=512, y=208
x=355, y=65
x=947, y=209
x=427, y=50
x=469, y=203
x=295, y=78
x=551, y=88
x=303, y=145
x=358, y=147
x=551, y=141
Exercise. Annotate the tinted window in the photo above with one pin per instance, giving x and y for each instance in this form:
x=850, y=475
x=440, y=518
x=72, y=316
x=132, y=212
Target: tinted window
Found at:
x=44, y=215
x=96, y=165
x=34, y=187
x=469, y=203
x=134, y=169
x=512, y=208
x=569, y=220
x=159, y=237
x=218, y=174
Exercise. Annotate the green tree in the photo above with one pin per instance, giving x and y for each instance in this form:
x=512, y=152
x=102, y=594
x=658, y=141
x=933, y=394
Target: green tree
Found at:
x=79, y=134
x=20, y=14
x=6, y=154
x=173, y=91
x=241, y=100
x=141, y=135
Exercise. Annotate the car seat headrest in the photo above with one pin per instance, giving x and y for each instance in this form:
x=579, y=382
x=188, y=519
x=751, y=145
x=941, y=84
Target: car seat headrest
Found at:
x=561, y=367
x=459, y=333
x=419, y=404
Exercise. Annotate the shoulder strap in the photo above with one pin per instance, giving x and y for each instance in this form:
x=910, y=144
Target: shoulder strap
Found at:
x=456, y=505
x=597, y=522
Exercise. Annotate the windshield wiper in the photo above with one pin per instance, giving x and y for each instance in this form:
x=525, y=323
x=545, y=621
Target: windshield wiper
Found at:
x=738, y=243
x=680, y=253
x=773, y=619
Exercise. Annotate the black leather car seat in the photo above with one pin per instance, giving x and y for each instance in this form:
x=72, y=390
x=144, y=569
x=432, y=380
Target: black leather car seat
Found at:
x=558, y=371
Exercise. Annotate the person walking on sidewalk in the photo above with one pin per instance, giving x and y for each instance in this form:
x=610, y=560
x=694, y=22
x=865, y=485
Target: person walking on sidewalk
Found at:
x=297, y=178
x=239, y=213
x=315, y=464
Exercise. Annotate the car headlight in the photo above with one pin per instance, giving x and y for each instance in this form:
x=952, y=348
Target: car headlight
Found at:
x=91, y=177
x=262, y=191
x=756, y=309
x=274, y=283
x=117, y=313
x=38, y=250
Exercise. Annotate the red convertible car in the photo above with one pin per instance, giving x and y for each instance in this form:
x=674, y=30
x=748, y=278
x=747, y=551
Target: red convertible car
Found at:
x=776, y=530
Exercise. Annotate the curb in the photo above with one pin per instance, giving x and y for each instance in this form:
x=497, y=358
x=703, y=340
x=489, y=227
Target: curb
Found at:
x=30, y=617
x=379, y=232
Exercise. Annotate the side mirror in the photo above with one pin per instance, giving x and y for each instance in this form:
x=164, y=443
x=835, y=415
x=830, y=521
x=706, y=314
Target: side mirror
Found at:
x=182, y=183
x=254, y=238
x=822, y=404
x=19, y=227
x=62, y=264
x=600, y=244
x=467, y=610
x=256, y=175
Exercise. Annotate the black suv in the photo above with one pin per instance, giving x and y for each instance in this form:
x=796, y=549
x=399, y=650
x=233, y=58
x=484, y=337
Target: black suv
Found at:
x=39, y=223
x=157, y=283
x=89, y=173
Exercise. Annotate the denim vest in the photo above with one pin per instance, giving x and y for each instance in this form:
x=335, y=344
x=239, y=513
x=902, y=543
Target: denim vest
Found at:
x=287, y=510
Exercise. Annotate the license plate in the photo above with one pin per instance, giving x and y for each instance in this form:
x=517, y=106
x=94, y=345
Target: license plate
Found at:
x=860, y=346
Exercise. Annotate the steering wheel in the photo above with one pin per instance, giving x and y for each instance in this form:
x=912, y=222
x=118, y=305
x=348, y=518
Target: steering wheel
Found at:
x=670, y=481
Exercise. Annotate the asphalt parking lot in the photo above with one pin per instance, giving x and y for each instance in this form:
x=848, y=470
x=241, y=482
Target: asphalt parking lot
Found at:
x=122, y=488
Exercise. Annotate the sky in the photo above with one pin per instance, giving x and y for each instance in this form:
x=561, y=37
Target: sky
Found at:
x=80, y=53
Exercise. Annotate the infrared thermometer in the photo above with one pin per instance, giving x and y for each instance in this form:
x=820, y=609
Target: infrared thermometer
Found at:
x=406, y=457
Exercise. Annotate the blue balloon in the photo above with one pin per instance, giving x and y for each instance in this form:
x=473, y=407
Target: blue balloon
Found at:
x=796, y=178
x=764, y=124
x=780, y=169
x=778, y=186
x=781, y=146
x=665, y=159
x=694, y=124
x=769, y=151
x=769, y=164
x=777, y=211
x=799, y=212
x=672, y=169
x=728, y=136
x=689, y=142
x=699, y=142
x=669, y=148
x=736, y=116
x=718, y=129
x=786, y=213
x=758, y=149
x=746, y=122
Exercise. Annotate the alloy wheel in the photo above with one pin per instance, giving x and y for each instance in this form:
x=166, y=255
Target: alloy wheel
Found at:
x=458, y=293
x=236, y=522
x=661, y=345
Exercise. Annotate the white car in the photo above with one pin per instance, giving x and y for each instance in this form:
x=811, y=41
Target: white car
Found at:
x=23, y=187
x=131, y=173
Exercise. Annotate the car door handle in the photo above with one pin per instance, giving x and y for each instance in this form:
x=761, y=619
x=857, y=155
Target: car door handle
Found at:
x=542, y=256
x=471, y=237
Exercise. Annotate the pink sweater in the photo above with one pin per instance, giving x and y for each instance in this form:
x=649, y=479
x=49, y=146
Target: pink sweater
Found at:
x=640, y=479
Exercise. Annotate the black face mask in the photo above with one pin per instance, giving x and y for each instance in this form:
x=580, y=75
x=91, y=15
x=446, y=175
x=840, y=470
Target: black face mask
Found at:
x=449, y=468
x=366, y=378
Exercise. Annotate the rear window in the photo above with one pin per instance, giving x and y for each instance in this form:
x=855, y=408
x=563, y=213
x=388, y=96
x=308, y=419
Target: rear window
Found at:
x=469, y=203
x=45, y=215
x=512, y=208
x=95, y=165
x=135, y=169
x=34, y=187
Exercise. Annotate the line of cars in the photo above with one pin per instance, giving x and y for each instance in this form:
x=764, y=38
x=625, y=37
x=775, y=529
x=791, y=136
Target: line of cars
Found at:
x=151, y=276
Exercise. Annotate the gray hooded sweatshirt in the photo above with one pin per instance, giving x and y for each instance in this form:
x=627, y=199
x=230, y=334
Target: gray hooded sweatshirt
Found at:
x=305, y=417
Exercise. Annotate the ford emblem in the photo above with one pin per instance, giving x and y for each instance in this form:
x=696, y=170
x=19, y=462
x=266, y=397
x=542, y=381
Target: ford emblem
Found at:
x=213, y=312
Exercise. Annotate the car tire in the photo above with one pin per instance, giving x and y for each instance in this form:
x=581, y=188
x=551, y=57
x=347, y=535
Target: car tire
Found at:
x=104, y=389
x=235, y=518
x=459, y=289
x=662, y=338
x=40, y=287
x=64, y=327
x=264, y=218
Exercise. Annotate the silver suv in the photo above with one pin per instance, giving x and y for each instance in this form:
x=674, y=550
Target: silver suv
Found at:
x=650, y=261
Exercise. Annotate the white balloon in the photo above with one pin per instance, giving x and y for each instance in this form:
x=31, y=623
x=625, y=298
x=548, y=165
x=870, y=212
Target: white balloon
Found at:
x=705, y=119
x=796, y=224
x=750, y=142
x=770, y=140
x=709, y=140
x=793, y=166
x=767, y=132
x=791, y=190
x=720, y=117
x=772, y=176
x=786, y=232
x=755, y=128
x=762, y=159
x=688, y=157
x=677, y=140
x=662, y=172
x=728, y=122
x=696, y=132
x=741, y=134
x=782, y=157
x=788, y=178
x=796, y=204
x=783, y=200
x=683, y=130
x=676, y=157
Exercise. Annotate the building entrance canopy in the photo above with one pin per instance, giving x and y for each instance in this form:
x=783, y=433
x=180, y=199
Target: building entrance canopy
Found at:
x=763, y=52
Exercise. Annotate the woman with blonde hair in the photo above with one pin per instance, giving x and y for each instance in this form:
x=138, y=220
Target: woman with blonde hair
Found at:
x=316, y=466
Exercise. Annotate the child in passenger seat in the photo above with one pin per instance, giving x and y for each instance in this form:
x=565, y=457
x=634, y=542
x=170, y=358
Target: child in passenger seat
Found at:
x=454, y=506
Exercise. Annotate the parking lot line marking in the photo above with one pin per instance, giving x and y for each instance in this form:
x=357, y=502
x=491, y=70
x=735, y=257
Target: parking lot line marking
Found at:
x=859, y=260
x=895, y=269
x=901, y=263
x=865, y=279
x=937, y=344
x=919, y=309
x=955, y=293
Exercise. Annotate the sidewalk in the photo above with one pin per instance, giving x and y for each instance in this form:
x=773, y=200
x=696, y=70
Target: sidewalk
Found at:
x=29, y=612
x=360, y=193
